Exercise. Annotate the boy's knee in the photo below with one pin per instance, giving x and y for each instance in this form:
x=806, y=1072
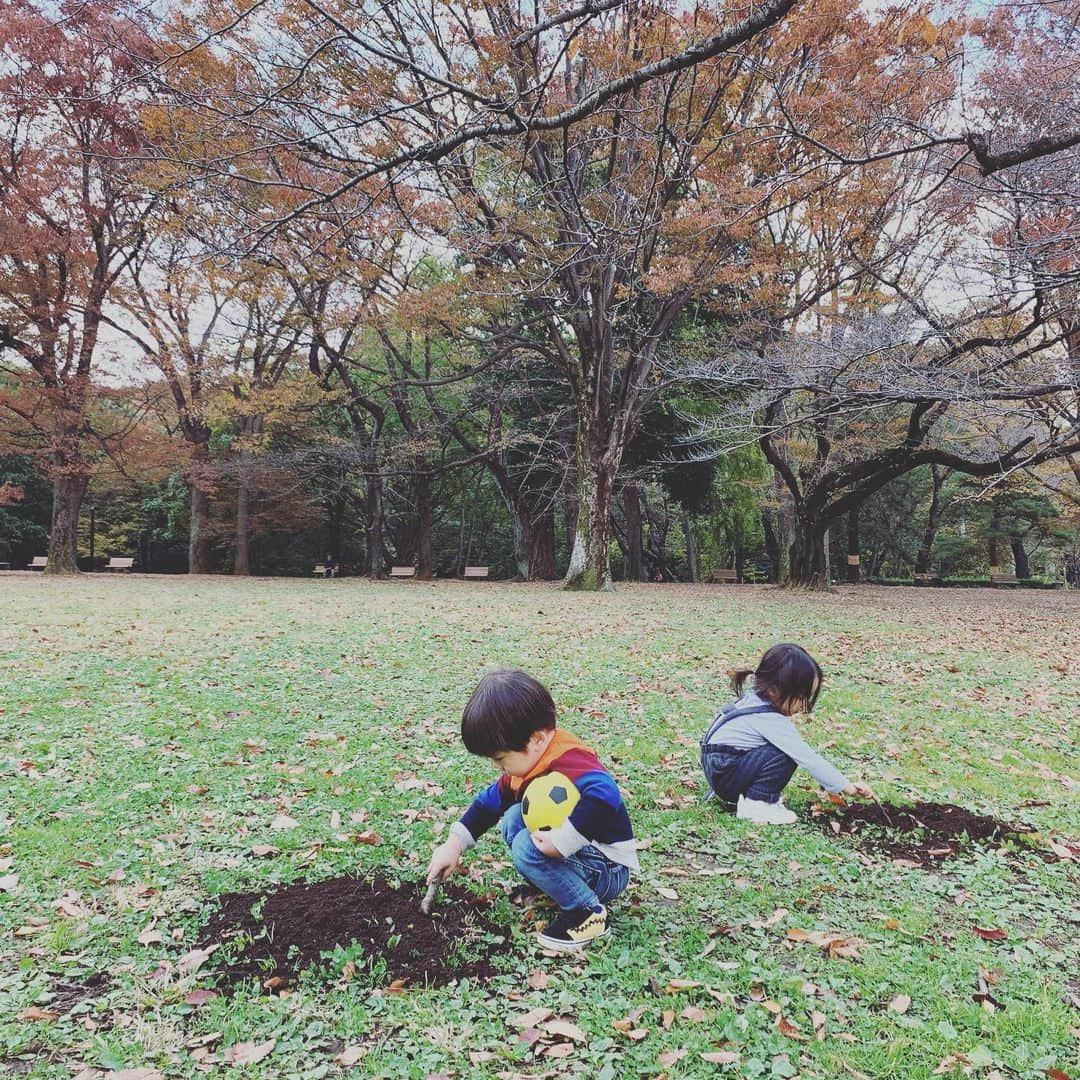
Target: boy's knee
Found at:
x=524, y=852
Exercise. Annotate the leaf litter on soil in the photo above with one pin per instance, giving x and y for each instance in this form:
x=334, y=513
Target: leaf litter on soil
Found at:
x=377, y=925
x=922, y=833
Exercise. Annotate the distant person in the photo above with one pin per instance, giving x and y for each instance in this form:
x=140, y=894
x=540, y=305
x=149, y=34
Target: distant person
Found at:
x=329, y=566
x=752, y=749
x=581, y=864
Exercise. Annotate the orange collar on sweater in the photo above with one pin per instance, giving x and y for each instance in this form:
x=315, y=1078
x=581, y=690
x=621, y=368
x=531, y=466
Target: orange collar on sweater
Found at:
x=558, y=746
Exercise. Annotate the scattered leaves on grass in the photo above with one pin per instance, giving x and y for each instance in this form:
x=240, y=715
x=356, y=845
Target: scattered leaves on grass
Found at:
x=350, y=1056
x=34, y=1014
x=988, y=934
x=564, y=1028
x=900, y=1004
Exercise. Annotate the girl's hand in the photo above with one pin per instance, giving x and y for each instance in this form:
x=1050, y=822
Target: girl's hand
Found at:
x=863, y=791
x=444, y=859
x=543, y=844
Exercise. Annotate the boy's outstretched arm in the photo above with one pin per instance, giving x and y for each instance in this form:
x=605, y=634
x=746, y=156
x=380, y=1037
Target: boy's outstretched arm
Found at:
x=444, y=859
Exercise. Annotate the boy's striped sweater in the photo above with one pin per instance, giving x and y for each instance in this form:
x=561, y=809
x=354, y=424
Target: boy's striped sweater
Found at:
x=599, y=819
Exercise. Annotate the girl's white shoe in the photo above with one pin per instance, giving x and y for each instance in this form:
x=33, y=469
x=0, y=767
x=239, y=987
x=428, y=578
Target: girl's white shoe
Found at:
x=765, y=813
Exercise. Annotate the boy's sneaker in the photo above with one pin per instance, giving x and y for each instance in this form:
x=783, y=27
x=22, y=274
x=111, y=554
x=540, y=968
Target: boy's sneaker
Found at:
x=573, y=930
x=765, y=813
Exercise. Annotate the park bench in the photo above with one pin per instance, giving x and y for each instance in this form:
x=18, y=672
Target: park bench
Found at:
x=320, y=570
x=123, y=565
x=718, y=576
x=38, y=562
x=402, y=571
x=1003, y=579
x=924, y=579
x=476, y=572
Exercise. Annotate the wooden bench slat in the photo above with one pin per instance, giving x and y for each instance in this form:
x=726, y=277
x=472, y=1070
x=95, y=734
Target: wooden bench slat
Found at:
x=476, y=571
x=403, y=571
x=39, y=562
x=724, y=575
x=120, y=562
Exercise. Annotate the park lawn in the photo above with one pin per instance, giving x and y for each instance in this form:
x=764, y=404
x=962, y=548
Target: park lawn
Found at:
x=157, y=729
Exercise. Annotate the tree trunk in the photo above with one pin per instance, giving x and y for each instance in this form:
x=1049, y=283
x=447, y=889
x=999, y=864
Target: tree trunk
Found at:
x=68, y=493
x=808, y=567
x=425, y=516
x=373, y=500
x=924, y=559
x=1020, y=557
x=992, y=546
x=199, y=552
x=543, y=547
x=853, y=546
x=635, y=566
x=691, y=546
x=772, y=544
x=242, y=561
x=590, y=557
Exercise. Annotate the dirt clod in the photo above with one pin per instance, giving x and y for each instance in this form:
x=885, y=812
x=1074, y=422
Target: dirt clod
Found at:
x=924, y=833
x=383, y=937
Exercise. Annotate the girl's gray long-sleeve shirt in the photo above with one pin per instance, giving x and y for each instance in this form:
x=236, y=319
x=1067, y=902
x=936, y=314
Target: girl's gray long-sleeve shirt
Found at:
x=750, y=732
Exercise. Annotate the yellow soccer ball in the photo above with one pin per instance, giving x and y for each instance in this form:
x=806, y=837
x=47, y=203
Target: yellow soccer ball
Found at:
x=549, y=801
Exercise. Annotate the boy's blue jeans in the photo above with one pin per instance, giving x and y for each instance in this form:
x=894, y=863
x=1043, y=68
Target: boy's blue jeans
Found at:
x=761, y=773
x=584, y=879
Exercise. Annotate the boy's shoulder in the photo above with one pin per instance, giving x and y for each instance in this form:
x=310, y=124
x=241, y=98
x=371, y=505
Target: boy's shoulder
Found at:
x=574, y=758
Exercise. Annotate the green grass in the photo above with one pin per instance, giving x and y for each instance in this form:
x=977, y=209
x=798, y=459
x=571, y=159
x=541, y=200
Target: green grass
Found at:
x=154, y=729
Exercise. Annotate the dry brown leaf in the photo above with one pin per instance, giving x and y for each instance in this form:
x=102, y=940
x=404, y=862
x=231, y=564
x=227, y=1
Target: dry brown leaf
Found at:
x=721, y=1057
x=531, y=1018
x=789, y=1030
x=189, y=964
x=200, y=997
x=900, y=1004
x=675, y=985
x=559, y=1050
x=670, y=1057
x=692, y=1013
x=564, y=1028
x=261, y=851
x=538, y=979
x=666, y=893
x=282, y=822
x=350, y=1055
x=988, y=934
x=248, y=1053
x=150, y=936
x=33, y=1013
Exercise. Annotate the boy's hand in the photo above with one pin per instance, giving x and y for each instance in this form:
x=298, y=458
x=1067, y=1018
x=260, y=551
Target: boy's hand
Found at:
x=444, y=859
x=863, y=791
x=543, y=844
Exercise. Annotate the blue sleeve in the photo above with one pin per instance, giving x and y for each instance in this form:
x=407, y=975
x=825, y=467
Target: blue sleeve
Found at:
x=486, y=809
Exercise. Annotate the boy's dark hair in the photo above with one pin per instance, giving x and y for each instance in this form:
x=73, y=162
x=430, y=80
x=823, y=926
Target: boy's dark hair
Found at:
x=505, y=710
x=786, y=676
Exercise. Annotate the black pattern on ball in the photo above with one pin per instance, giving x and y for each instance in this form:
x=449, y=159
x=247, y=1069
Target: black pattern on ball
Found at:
x=558, y=795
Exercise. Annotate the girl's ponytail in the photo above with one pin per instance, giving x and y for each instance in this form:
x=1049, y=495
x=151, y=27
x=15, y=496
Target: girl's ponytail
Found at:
x=738, y=678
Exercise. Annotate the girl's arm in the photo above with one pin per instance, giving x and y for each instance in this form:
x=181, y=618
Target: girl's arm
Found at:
x=784, y=735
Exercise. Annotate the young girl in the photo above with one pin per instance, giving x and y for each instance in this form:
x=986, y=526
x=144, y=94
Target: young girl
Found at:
x=752, y=748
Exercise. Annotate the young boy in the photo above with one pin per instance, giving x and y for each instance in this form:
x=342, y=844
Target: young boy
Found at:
x=580, y=864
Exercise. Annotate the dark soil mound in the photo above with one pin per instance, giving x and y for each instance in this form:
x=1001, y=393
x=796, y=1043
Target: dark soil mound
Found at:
x=924, y=833
x=352, y=929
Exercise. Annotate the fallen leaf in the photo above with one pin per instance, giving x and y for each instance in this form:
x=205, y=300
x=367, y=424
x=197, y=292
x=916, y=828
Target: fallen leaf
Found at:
x=248, y=1053
x=33, y=1013
x=675, y=985
x=559, y=1050
x=667, y=1018
x=564, y=1028
x=669, y=1057
x=538, y=979
x=150, y=936
x=789, y=1030
x=350, y=1055
x=988, y=934
x=189, y=964
x=9, y=882
x=335, y=819
x=693, y=1013
x=200, y=997
x=666, y=893
x=531, y=1018
x=369, y=836
x=261, y=851
x=283, y=821
x=900, y=1004
x=721, y=1057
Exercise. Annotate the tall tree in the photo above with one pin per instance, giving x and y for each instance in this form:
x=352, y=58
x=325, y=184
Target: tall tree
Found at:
x=71, y=219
